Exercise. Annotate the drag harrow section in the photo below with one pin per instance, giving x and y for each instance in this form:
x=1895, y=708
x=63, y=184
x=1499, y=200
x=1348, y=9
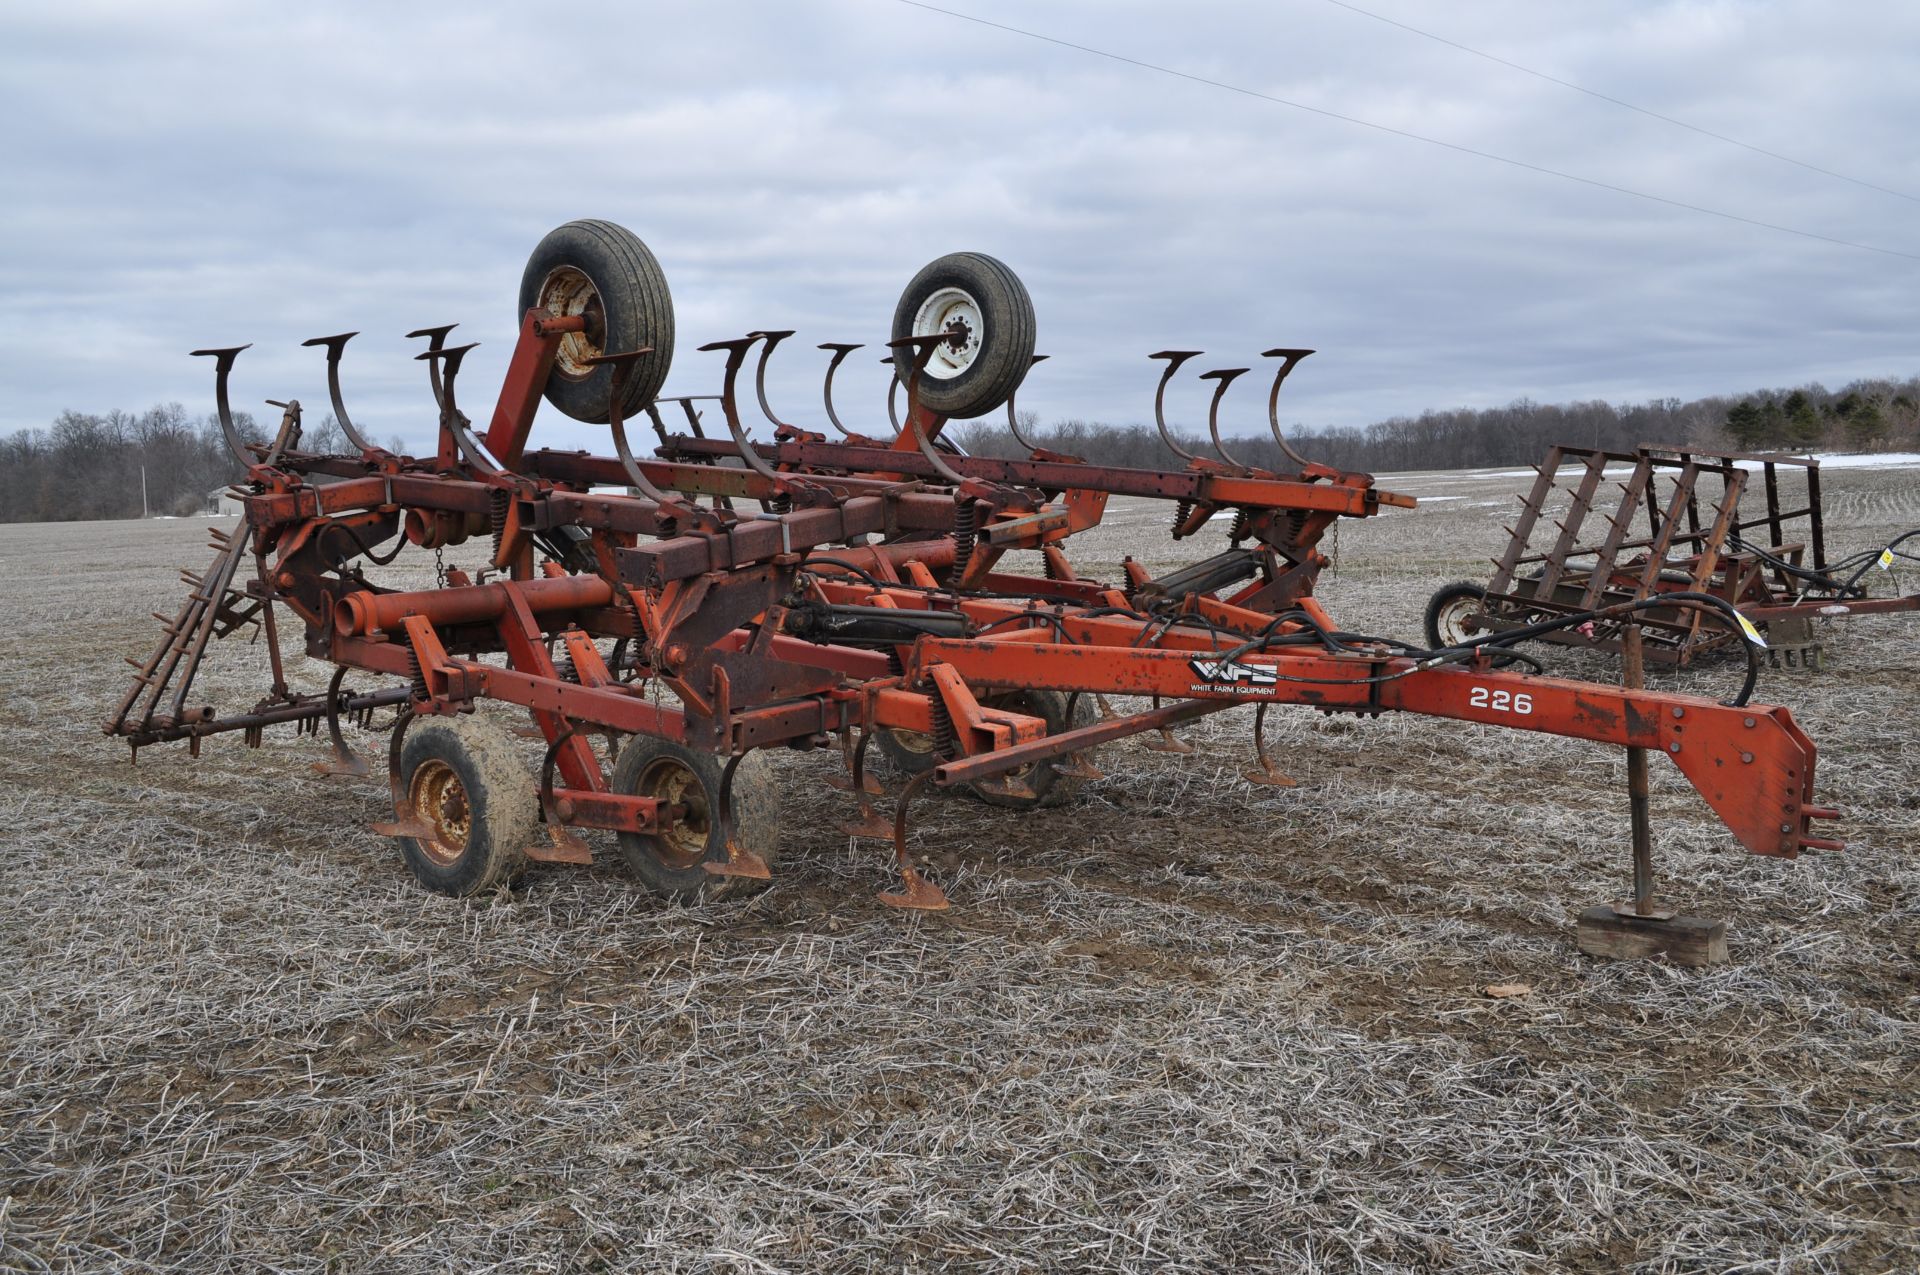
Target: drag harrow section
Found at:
x=661, y=616
x=1575, y=550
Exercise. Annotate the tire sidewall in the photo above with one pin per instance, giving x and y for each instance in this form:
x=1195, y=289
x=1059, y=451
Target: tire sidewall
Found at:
x=755, y=816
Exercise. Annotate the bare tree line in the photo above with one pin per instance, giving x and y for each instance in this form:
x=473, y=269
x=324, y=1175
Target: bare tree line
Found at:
x=1863, y=416
x=116, y=465
x=85, y=466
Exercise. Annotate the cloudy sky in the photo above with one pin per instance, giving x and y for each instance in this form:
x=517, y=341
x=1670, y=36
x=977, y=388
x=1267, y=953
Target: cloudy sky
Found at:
x=180, y=175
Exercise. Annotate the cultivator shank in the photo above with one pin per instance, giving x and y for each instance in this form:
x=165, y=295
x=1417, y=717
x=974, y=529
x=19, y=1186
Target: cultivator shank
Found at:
x=719, y=596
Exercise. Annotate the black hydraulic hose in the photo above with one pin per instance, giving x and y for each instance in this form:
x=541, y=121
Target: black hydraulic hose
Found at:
x=1871, y=558
x=1720, y=607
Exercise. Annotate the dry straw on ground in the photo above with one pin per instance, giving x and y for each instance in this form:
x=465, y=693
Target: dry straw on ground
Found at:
x=1187, y=1024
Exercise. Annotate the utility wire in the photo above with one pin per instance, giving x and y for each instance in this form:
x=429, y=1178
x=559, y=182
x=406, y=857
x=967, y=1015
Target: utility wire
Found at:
x=1608, y=97
x=1417, y=137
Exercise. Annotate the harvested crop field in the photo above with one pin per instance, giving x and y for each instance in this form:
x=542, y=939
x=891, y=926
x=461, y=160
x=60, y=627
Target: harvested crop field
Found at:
x=1186, y=1023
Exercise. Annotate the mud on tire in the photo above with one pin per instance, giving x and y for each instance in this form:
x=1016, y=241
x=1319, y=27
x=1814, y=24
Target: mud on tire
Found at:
x=463, y=779
x=669, y=863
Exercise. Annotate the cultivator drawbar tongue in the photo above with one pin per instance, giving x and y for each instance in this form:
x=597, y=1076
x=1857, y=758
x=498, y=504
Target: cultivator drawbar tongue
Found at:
x=686, y=609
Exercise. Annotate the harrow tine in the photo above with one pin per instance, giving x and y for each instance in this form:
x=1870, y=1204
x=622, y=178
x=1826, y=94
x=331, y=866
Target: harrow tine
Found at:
x=1168, y=741
x=222, y=369
x=853, y=779
x=616, y=421
x=740, y=861
x=1263, y=770
x=760, y=377
x=1225, y=376
x=436, y=338
x=1174, y=359
x=344, y=761
x=840, y=351
x=336, y=345
x=1013, y=421
x=736, y=351
x=893, y=393
x=868, y=823
x=1290, y=359
x=916, y=892
x=923, y=348
x=443, y=366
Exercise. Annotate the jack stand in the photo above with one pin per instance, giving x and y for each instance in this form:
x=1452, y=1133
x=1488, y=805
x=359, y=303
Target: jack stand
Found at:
x=1643, y=926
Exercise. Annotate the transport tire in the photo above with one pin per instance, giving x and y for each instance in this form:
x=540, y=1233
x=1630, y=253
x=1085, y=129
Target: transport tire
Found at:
x=983, y=303
x=1447, y=613
x=462, y=778
x=912, y=752
x=602, y=271
x=669, y=863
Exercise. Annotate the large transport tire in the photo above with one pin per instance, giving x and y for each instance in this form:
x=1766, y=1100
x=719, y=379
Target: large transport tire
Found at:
x=912, y=752
x=602, y=271
x=463, y=779
x=669, y=863
x=979, y=299
x=1447, y=611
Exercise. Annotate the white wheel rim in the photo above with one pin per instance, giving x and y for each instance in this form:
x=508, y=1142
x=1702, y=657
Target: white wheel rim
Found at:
x=950, y=311
x=563, y=293
x=1453, y=620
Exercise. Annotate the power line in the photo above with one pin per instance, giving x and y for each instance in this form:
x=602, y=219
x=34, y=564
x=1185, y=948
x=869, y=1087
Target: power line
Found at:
x=1416, y=137
x=1608, y=97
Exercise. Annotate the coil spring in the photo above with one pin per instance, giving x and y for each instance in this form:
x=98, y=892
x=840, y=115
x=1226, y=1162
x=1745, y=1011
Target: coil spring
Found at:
x=498, y=502
x=1239, y=530
x=1180, y=514
x=780, y=504
x=966, y=529
x=415, y=674
x=946, y=741
x=1052, y=566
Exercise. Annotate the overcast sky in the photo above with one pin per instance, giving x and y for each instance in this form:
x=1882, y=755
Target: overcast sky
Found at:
x=174, y=176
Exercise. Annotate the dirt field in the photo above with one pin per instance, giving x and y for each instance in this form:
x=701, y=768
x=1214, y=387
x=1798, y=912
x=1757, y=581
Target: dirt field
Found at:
x=1185, y=1024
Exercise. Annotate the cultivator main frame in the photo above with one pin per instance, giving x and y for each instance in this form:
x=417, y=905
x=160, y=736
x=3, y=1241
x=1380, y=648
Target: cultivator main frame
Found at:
x=1575, y=549
x=816, y=593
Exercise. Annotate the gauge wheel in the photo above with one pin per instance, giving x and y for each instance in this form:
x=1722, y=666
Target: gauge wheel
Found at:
x=603, y=273
x=984, y=310
x=668, y=862
x=1448, y=612
x=912, y=752
x=463, y=782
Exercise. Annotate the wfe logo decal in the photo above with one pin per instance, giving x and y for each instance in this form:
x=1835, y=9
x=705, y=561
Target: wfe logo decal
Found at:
x=1231, y=673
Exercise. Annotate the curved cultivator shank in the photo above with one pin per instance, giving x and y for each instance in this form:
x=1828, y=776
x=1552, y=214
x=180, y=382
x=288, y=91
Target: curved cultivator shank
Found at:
x=828, y=592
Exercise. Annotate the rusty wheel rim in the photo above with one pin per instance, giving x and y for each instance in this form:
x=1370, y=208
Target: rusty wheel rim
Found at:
x=439, y=800
x=917, y=742
x=673, y=783
x=565, y=292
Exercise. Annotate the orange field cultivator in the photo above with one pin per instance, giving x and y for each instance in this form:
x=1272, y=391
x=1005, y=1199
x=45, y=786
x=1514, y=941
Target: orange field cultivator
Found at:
x=663, y=618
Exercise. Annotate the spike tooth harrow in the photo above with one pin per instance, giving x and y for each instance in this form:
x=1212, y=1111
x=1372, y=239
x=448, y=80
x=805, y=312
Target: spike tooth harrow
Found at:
x=859, y=603
x=1696, y=511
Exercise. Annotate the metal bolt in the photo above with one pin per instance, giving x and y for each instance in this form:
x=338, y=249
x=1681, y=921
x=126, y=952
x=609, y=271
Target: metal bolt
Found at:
x=1679, y=712
x=1674, y=747
x=1786, y=827
x=1749, y=723
x=1747, y=758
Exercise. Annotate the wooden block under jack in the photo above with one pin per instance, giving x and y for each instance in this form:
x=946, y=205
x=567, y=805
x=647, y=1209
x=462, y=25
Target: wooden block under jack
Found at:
x=1684, y=940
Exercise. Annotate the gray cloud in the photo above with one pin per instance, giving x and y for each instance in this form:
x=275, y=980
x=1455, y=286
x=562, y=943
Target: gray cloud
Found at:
x=218, y=173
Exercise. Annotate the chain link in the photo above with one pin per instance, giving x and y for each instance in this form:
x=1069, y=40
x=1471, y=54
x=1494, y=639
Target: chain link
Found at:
x=440, y=566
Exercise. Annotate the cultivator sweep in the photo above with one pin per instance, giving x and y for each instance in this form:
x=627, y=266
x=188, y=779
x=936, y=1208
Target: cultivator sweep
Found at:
x=687, y=609
x=1572, y=552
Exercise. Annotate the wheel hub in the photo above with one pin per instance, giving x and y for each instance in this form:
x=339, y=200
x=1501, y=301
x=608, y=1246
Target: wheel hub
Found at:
x=683, y=842
x=564, y=292
x=954, y=313
x=439, y=801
